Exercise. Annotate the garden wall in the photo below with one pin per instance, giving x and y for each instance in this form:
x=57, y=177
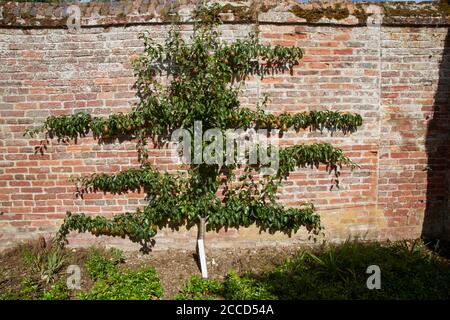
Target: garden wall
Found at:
x=395, y=75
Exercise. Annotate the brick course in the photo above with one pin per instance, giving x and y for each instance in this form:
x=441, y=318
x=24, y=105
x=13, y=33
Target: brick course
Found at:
x=396, y=76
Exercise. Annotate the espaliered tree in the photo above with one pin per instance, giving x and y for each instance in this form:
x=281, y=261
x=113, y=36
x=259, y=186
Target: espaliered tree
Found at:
x=204, y=77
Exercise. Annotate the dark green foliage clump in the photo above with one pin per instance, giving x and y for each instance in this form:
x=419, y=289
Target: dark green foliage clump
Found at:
x=142, y=284
x=111, y=283
x=200, y=289
x=99, y=264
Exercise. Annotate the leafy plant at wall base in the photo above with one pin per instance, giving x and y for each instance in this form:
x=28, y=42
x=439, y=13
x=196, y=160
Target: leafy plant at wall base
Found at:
x=58, y=291
x=55, y=261
x=99, y=264
x=140, y=284
x=237, y=288
x=46, y=260
x=205, y=76
x=28, y=257
x=200, y=289
x=30, y=289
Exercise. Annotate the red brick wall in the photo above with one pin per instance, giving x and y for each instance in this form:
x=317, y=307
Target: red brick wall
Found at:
x=395, y=76
x=414, y=129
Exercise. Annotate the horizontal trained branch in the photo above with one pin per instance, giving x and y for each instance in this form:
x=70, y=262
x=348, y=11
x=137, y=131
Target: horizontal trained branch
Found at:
x=155, y=182
x=67, y=127
x=142, y=225
x=270, y=217
x=315, y=154
x=130, y=180
x=314, y=120
x=135, y=225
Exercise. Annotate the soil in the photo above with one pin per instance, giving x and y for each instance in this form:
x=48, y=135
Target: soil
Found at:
x=13, y=268
x=9, y=271
x=175, y=267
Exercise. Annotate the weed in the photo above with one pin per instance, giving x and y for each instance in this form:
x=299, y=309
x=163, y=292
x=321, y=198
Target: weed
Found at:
x=54, y=262
x=245, y=288
x=100, y=263
x=28, y=257
x=30, y=289
x=200, y=289
x=46, y=259
x=58, y=291
x=142, y=284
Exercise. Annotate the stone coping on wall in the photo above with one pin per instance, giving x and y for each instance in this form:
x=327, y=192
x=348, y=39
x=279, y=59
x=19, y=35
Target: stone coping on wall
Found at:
x=98, y=14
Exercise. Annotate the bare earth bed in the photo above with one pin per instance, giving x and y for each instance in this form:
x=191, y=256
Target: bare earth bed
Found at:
x=175, y=267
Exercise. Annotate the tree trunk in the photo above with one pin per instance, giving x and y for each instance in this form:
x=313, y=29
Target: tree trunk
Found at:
x=201, y=246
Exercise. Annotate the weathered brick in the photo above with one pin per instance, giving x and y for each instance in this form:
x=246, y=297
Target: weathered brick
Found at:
x=395, y=83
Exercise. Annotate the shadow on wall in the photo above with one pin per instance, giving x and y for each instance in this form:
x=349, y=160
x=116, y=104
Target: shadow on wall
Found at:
x=436, y=222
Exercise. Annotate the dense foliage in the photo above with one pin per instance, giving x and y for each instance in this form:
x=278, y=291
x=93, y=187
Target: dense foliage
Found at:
x=113, y=283
x=140, y=284
x=204, y=78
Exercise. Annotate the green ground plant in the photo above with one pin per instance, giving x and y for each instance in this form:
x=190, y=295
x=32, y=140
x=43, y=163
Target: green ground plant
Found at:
x=100, y=262
x=112, y=283
x=47, y=259
x=200, y=289
x=58, y=291
x=30, y=289
x=142, y=284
